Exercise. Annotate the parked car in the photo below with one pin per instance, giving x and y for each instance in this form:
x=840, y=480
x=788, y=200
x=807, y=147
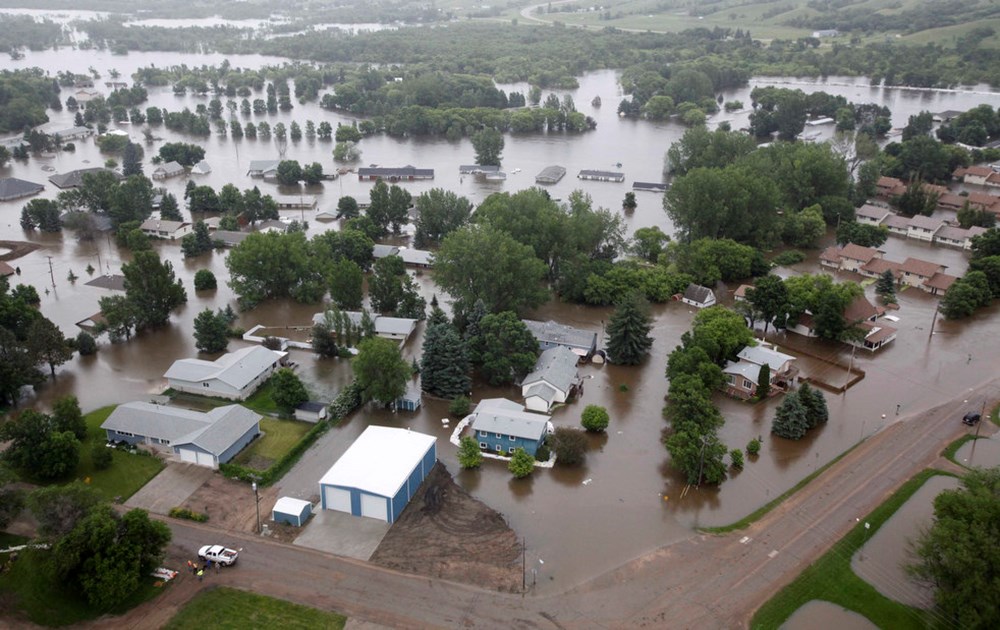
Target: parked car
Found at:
x=218, y=553
x=970, y=418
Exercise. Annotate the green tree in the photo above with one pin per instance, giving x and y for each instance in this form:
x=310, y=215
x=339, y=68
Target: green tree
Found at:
x=37, y=448
x=287, y=390
x=629, y=204
x=59, y=508
x=132, y=160
x=469, y=455
x=272, y=265
x=885, y=287
x=504, y=350
x=324, y=341
x=696, y=454
x=483, y=262
x=701, y=148
x=736, y=457
x=211, y=331
x=444, y=364
x=66, y=416
x=861, y=234
x=763, y=382
x=648, y=242
x=132, y=200
x=957, y=554
x=85, y=344
x=721, y=333
x=43, y=214
x=521, y=463
x=347, y=207
x=595, y=418
x=289, y=172
x=815, y=405
x=11, y=498
x=629, y=340
x=569, y=445
x=380, y=370
x=106, y=556
x=169, y=210
x=346, y=284
x=47, y=344
x=398, y=210
x=439, y=212
x=204, y=280
x=791, y=420
x=753, y=447
x=378, y=207
x=182, y=153
x=769, y=299
x=151, y=287
x=488, y=144
x=120, y=317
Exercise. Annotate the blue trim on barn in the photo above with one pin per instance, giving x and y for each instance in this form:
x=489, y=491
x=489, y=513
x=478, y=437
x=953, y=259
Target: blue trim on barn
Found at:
x=240, y=444
x=292, y=518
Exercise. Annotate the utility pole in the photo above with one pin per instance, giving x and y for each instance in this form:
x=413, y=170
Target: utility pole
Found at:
x=51, y=274
x=975, y=439
x=933, y=321
x=524, y=574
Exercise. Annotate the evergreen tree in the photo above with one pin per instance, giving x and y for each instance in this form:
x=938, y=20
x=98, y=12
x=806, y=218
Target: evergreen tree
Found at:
x=628, y=332
x=885, y=287
x=445, y=363
x=791, y=420
x=169, y=211
x=132, y=160
x=324, y=342
x=815, y=405
x=763, y=382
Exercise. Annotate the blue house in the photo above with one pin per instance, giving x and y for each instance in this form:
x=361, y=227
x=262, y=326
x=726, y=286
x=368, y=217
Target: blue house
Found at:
x=502, y=426
x=379, y=474
x=206, y=439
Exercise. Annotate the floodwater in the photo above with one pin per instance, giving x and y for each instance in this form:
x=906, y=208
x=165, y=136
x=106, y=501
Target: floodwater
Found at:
x=823, y=614
x=882, y=560
x=984, y=453
x=625, y=500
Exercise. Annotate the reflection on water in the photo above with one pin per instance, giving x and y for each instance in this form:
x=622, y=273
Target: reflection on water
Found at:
x=631, y=501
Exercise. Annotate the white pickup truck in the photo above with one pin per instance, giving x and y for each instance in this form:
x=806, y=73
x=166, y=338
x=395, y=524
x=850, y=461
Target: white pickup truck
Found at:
x=218, y=553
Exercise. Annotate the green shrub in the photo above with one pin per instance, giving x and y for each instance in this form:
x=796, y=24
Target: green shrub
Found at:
x=179, y=512
x=521, y=464
x=85, y=344
x=204, y=280
x=542, y=453
x=790, y=257
x=469, y=455
x=753, y=446
x=347, y=401
x=595, y=418
x=736, y=455
x=101, y=457
x=460, y=407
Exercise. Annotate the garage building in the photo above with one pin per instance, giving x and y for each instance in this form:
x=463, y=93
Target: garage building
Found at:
x=379, y=474
x=291, y=511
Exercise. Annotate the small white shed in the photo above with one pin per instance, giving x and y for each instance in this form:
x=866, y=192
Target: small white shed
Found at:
x=291, y=511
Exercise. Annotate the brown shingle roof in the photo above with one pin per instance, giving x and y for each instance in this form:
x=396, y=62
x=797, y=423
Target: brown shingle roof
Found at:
x=857, y=252
x=922, y=268
x=926, y=223
x=859, y=310
x=940, y=281
x=881, y=265
x=978, y=171
x=871, y=212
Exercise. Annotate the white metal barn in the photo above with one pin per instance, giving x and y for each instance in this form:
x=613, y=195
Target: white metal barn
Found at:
x=379, y=474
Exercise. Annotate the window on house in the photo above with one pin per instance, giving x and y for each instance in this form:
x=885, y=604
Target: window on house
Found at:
x=482, y=445
x=747, y=384
x=510, y=450
x=497, y=434
x=511, y=438
x=499, y=448
x=204, y=384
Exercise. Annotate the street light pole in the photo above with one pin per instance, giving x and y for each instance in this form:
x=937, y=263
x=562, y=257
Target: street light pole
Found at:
x=256, y=501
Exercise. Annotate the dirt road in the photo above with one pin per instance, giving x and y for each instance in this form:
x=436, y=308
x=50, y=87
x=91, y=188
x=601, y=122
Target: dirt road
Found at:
x=705, y=581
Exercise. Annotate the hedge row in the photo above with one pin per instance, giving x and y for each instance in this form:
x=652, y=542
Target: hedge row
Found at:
x=179, y=512
x=347, y=401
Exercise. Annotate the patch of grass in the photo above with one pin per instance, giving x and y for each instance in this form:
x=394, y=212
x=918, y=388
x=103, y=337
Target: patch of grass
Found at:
x=760, y=512
x=831, y=579
x=262, y=402
x=227, y=608
x=11, y=540
x=995, y=415
x=951, y=449
x=127, y=472
x=33, y=593
x=279, y=438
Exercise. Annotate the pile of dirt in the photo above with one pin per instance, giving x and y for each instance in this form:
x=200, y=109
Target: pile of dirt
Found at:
x=445, y=533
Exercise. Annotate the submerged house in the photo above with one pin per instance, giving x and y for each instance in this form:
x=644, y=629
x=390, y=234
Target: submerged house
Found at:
x=554, y=380
x=234, y=375
x=550, y=334
x=742, y=375
x=698, y=296
x=502, y=426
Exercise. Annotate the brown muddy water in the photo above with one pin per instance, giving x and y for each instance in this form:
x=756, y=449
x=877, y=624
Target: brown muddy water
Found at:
x=624, y=500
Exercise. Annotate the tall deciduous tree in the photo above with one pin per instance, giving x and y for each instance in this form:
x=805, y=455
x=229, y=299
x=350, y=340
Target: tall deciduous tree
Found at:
x=628, y=331
x=504, y=350
x=521, y=464
x=67, y=416
x=380, y=370
x=346, y=284
x=47, y=343
x=132, y=160
x=444, y=366
x=769, y=299
x=483, y=262
x=958, y=554
x=439, y=212
x=59, y=508
x=488, y=144
x=287, y=390
x=151, y=287
x=36, y=448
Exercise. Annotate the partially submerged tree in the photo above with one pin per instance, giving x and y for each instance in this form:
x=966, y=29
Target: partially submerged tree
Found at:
x=629, y=340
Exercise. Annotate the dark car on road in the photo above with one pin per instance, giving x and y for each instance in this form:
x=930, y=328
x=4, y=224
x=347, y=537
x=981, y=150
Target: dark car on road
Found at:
x=970, y=418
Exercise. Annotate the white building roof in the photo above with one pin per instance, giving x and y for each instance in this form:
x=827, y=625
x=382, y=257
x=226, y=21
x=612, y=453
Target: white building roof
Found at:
x=380, y=460
x=761, y=354
x=236, y=369
x=288, y=505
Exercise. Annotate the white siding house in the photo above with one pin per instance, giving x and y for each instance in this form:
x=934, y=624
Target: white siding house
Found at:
x=234, y=376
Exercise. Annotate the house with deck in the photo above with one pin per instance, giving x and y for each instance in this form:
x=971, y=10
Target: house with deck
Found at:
x=554, y=380
x=502, y=426
x=206, y=438
x=550, y=334
x=742, y=375
x=233, y=376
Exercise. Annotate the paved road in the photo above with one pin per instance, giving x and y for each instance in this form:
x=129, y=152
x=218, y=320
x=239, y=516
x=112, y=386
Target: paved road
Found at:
x=704, y=581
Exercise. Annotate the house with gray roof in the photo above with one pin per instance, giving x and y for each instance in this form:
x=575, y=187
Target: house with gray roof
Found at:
x=229, y=238
x=394, y=174
x=550, y=175
x=416, y=257
x=502, y=426
x=161, y=228
x=72, y=133
x=398, y=328
x=233, y=376
x=167, y=170
x=203, y=438
x=478, y=169
x=74, y=179
x=743, y=374
x=14, y=188
x=263, y=168
x=550, y=334
x=601, y=176
x=201, y=168
x=554, y=380
x=384, y=251
x=698, y=296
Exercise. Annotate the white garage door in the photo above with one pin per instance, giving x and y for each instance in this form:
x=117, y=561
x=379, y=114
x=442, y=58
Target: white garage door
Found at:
x=188, y=455
x=337, y=499
x=374, y=507
x=206, y=459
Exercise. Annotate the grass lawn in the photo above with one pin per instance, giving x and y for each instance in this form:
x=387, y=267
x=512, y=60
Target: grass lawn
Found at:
x=229, y=608
x=262, y=402
x=127, y=473
x=830, y=578
x=28, y=590
x=279, y=437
